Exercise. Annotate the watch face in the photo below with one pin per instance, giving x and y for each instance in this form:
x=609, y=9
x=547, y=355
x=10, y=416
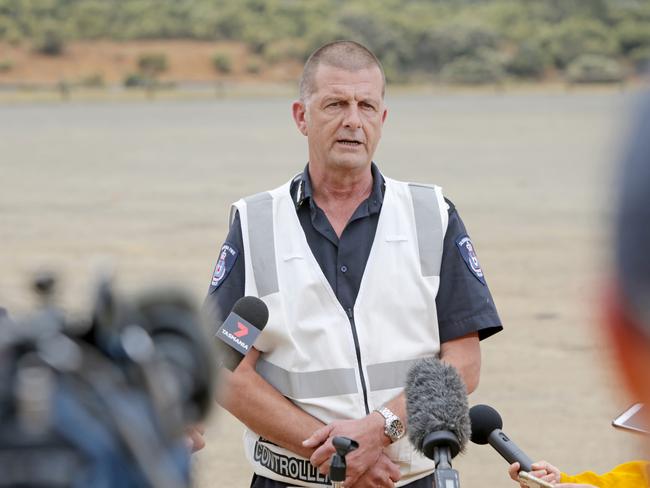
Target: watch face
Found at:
x=396, y=430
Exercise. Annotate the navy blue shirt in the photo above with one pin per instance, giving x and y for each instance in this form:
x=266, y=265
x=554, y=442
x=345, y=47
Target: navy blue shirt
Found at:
x=464, y=302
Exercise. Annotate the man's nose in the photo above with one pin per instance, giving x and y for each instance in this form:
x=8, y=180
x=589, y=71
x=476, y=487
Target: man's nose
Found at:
x=352, y=117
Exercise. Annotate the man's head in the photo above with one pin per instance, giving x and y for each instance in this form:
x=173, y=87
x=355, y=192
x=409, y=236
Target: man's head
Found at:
x=341, y=107
x=346, y=55
x=629, y=306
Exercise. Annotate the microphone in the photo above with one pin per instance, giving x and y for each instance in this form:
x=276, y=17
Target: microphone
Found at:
x=178, y=335
x=437, y=413
x=486, y=428
x=239, y=331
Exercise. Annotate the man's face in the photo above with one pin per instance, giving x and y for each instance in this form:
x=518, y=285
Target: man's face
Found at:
x=343, y=117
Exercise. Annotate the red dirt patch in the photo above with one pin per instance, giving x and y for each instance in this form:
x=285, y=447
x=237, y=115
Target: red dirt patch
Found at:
x=113, y=61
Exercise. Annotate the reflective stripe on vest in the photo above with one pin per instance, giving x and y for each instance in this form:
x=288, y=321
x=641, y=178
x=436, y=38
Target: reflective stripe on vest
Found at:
x=261, y=241
x=330, y=382
x=428, y=227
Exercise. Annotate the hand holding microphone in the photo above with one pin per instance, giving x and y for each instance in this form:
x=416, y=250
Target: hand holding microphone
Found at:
x=486, y=428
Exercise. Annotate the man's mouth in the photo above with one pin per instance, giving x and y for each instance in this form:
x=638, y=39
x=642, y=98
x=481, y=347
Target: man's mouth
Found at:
x=349, y=142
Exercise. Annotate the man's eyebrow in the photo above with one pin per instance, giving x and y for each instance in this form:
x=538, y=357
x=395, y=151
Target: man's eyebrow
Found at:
x=370, y=101
x=333, y=98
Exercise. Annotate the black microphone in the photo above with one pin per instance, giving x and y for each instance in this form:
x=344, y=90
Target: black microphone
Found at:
x=239, y=331
x=486, y=428
x=437, y=412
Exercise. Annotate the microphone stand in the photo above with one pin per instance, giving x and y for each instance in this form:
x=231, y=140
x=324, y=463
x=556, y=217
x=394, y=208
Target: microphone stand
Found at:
x=343, y=446
x=441, y=446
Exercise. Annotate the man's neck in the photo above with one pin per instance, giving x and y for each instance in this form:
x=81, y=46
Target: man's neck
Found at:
x=339, y=193
x=331, y=187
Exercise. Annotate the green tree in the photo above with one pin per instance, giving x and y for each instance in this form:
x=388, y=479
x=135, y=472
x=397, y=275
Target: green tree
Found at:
x=633, y=35
x=474, y=69
x=528, y=61
x=577, y=36
x=593, y=68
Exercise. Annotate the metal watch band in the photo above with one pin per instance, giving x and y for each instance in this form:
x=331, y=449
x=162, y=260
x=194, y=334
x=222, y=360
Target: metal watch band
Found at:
x=393, y=426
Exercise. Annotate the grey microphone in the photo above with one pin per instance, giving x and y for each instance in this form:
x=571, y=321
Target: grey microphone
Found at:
x=240, y=330
x=486, y=428
x=438, y=418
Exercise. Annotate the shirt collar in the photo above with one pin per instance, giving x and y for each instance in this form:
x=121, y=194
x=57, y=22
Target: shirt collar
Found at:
x=375, y=200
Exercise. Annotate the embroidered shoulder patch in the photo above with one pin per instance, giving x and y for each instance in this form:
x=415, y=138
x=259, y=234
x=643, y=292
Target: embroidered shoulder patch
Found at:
x=225, y=263
x=466, y=249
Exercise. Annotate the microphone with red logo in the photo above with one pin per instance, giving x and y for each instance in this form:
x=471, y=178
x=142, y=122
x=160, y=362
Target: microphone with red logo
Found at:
x=239, y=331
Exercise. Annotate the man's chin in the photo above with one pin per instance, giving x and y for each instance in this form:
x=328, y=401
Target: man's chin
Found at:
x=350, y=163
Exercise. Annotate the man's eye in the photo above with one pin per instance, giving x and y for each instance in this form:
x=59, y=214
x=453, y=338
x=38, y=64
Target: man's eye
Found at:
x=367, y=106
x=334, y=104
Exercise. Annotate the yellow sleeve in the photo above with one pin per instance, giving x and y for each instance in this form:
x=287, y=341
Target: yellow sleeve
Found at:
x=628, y=475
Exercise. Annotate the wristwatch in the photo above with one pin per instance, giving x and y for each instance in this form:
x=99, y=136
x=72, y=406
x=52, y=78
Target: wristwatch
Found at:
x=393, y=426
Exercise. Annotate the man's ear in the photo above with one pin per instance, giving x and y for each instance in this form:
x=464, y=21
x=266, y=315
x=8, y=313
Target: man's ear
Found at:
x=299, y=112
x=629, y=345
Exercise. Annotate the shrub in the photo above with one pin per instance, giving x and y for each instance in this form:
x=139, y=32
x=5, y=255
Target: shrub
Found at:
x=473, y=70
x=152, y=64
x=135, y=80
x=592, y=68
x=253, y=67
x=437, y=47
x=576, y=37
x=8, y=30
x=6, y=65
x=633, y=35
x=529, y=61
x=640, y=58
x=50, y=42
x=222, y=63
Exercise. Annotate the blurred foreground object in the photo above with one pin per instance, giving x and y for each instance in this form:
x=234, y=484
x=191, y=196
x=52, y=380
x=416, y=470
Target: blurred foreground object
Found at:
x=105, y=401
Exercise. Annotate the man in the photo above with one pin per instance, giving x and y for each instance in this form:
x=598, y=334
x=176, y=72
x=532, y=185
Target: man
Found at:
x=627, y=314
x=362, y=275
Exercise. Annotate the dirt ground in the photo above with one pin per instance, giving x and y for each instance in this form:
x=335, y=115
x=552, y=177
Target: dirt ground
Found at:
x=148, y=185
x=111, y=61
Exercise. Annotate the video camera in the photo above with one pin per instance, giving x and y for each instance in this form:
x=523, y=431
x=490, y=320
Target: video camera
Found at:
x=103, y=401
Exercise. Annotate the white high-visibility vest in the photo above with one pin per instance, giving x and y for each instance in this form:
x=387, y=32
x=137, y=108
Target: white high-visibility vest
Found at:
x=334, y=363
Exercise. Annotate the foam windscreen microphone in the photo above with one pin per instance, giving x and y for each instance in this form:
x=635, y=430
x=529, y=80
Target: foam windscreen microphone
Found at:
x=239, y=331
x=437, y=413
x=486, y=428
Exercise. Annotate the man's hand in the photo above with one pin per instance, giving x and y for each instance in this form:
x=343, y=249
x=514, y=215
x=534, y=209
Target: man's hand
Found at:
x=194, y=436
x=384, y=473
x=368, y=432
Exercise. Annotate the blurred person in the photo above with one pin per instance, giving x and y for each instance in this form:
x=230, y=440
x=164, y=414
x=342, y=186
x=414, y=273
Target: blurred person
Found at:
x=362, y=275
x=627, y=315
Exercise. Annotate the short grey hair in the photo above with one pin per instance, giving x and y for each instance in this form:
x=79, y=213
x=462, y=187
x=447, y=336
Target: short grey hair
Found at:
x=347, y=55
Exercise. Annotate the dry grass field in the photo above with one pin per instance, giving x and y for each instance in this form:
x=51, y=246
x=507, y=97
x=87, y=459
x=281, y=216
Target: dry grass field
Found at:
x=148, y=185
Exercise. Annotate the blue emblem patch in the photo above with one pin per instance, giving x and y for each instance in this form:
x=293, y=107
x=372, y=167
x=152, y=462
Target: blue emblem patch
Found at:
x=225, y=263
x=466, y=249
